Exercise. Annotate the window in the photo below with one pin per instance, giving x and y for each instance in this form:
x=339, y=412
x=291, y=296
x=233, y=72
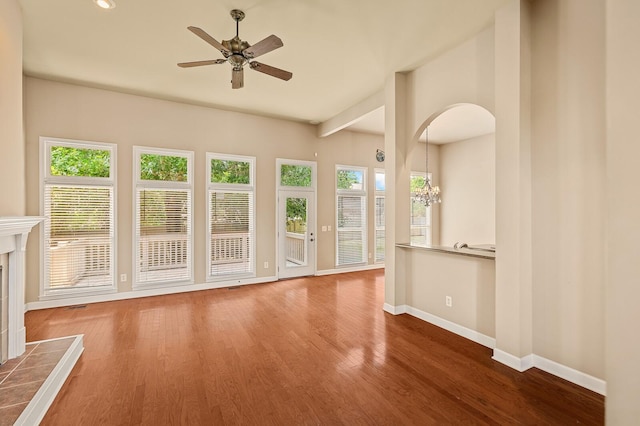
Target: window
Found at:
x=379, y=200
x=231, y=217
x=420, y=214
x=163, y=203
x=351, y=212
x=296, y=175
x=79, y=230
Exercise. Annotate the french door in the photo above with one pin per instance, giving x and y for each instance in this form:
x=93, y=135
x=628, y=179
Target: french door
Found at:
x=296, y=218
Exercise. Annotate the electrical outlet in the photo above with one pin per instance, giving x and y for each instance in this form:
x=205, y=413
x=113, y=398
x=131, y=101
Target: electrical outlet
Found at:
x=266, y=265
x=448, y=301
x=123, y=278
x=329, y=228
x=370, y=256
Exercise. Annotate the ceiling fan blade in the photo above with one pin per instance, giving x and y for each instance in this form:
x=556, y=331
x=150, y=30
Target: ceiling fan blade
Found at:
x=201, y=63
x=212, y=41
x=264, y=46
x=272, y=71
x=237, y=78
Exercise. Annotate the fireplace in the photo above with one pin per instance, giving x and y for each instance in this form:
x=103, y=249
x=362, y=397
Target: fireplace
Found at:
x=4, y=316
x=13, y=243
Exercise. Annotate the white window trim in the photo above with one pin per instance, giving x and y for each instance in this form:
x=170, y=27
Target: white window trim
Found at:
x=382, y=194
x=359, y=192
x=148, y=184
x=429, y=211
x=45, y=179
x=231, y=187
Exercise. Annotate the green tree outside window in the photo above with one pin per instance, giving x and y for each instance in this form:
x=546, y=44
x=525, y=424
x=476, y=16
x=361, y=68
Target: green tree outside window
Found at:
x=229, y=171
x=84, y=162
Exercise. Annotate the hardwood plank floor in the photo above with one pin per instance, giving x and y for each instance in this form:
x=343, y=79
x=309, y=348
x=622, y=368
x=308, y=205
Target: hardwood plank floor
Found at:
x=316, y=350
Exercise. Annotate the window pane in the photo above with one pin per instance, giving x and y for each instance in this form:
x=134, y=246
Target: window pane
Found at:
x=416, y=182
x=420, y=215
x=79, y=236
x=231, y=232
x=350, y=179
x=85, y=162
x=163, y=230
x=379, y=181
x=163, y=167
x=380, y=233
x=294, y=175
x=228, y=171
x=380, y=245
x=379, y=212
x=351, y=229
x=350, y=214
x=350, y=247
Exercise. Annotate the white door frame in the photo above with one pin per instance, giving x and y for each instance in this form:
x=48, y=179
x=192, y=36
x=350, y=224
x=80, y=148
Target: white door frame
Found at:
x=283, y=191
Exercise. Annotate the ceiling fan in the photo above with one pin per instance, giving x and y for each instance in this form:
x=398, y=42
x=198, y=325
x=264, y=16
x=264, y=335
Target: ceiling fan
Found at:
x=239, y=53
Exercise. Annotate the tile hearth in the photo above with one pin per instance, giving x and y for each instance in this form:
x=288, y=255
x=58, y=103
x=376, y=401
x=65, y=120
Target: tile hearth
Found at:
x=29, y=382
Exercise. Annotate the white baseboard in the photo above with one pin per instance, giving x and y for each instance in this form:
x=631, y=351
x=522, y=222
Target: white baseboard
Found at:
x=468, y=333
x=350, y=269
x=519, y=364
x=37, y=408
x=567, y=373
x=395, y=310
x=574, y=376
x=465, y=332
x=70, y=301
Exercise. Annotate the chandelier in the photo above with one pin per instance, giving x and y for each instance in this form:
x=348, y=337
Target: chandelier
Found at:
x=428, y=194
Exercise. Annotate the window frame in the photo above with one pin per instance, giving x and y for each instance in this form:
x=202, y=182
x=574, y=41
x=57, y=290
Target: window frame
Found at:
x=364, y=227
x=45, y=179
x=139, y=183
x=250, y=189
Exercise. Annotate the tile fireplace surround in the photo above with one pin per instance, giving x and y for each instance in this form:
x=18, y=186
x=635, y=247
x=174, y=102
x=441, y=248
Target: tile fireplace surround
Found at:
x=13, y=240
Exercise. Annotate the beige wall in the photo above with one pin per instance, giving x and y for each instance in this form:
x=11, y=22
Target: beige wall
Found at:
x=469, y=281
x=348, y=149
x=467, y=179
x=75, y=112
x=623, y=210
x=549, y=97
x=568, y=165
x=513, y=181
x=12, y=167
x=462, y=75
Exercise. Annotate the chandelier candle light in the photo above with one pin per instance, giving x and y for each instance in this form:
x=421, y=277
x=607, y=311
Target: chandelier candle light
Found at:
x=428, y=194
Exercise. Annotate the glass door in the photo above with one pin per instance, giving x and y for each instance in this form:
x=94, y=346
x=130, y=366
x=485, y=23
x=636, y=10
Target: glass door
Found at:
x=296, y=194
x=296, y=232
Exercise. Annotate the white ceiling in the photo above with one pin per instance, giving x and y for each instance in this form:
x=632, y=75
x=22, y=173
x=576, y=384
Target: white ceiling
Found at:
x=339, y=51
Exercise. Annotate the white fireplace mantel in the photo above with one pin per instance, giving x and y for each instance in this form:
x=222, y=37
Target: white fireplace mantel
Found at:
x=13, y=240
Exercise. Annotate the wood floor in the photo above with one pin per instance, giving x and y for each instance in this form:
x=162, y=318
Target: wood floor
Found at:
x=304, y=351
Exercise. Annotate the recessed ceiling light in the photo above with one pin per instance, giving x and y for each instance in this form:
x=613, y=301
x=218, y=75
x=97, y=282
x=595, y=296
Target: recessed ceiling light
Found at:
x=105, y=4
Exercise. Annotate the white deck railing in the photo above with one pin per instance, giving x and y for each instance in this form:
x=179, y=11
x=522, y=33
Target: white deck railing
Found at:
x=296, y=248
x=164, y=251
x=73, y=262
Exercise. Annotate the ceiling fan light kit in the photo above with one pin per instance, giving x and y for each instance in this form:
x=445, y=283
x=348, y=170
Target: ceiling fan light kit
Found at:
x=239, y=53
